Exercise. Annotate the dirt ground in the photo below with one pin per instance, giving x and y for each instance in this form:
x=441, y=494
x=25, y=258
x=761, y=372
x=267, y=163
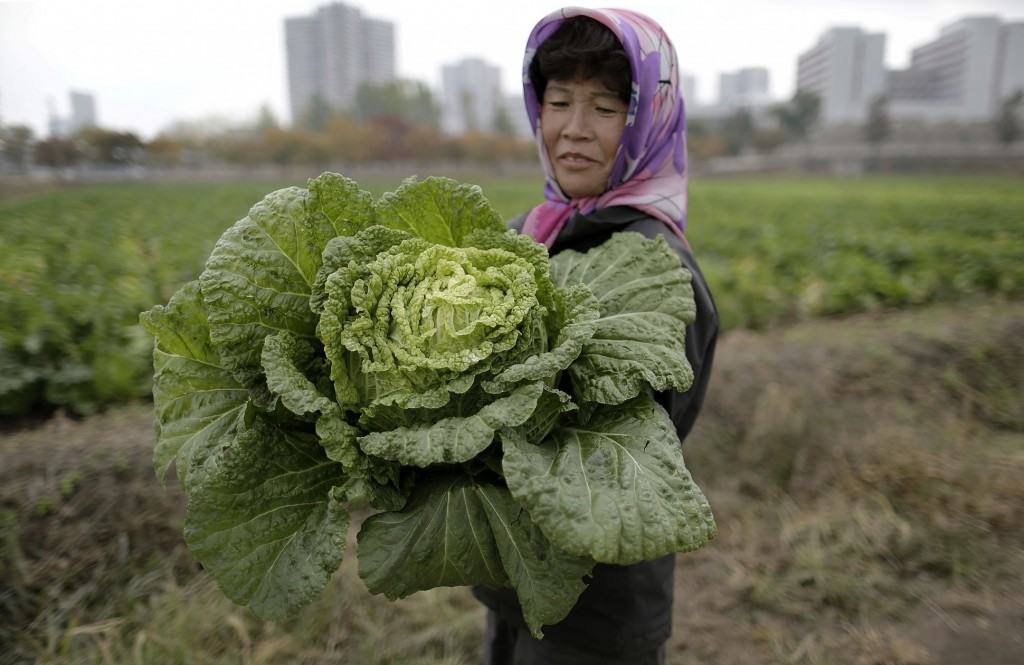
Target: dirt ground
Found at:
x=865, y=473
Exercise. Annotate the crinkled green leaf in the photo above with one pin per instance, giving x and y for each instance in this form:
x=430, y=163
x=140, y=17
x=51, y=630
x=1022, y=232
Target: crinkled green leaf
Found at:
x=438, y=210
x=524, y=247
x=547, y=581
x=196, y=399
x=550, y=407
x=615, y=489
x=264, y=521
x=646, y=302
x=578, y=312
x=441, y=538
x=339, y=438
x=288, y=362
x=374, y=480
x=259, y=276
x=414, y=325
x=340, y=201
x=350, y=254
x=454, y=439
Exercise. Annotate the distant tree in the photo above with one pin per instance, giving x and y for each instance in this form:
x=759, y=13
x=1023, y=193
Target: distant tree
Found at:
x=696, y=127
x=16, y=145
x=738, y=131
x=409, y=101
x=877, y=128
x=165, y=151
x=266, y=119
x=316, y=115
x=798, y=116
x=469, y=112
x=57, y=152
x=1008, y=121
x=767, y=139
x=502, y=123
x=107, y=146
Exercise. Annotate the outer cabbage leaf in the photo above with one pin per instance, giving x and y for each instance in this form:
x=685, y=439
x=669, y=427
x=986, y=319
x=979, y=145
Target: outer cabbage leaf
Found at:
x=646, y=302
x=455, y=439
x=197, y=401
x=441, y=538
x=547, y=581
x=265, y=522
x=615, y=489
x=340, y=201
x=438, y=210
x=289, y=362
x=259, y=277
x=454, y=532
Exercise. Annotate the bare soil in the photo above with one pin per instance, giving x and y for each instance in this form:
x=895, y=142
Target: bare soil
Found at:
x=865, y=472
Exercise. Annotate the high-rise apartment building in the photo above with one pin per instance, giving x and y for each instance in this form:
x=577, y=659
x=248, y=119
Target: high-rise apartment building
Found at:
x=83, y=111
x=744, y=88
x=846, y=69
x=334, y=51
x=963, y=74
x=470, y=96
x=688, y=83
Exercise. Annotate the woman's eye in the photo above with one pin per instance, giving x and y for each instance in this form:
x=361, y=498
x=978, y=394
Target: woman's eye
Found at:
x=559, y=105
x=606, y=111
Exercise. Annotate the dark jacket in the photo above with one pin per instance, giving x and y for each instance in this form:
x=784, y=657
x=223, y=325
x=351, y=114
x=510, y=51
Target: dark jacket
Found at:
x=628, y=608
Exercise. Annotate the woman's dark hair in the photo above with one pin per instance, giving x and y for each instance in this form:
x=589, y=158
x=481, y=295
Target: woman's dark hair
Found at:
x=582, y=48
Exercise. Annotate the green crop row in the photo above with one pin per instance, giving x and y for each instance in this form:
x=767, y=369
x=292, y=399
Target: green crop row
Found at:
x=77, y=266
x=776, y=251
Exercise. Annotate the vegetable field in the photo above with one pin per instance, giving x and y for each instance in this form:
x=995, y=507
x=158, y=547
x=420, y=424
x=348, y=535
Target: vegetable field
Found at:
x=78, y=265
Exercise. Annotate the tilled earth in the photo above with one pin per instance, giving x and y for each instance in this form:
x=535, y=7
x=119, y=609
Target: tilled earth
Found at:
x=865, y=474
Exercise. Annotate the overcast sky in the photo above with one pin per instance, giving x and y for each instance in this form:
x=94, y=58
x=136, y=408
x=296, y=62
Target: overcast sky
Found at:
x=149, y=63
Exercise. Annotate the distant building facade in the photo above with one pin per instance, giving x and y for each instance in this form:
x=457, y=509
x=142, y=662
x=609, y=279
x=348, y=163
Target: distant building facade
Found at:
x=470, y=96
x=963, y=74
x=83, y=114
x=83, y=111
x=745, y=88
x=688, y=83
x=334, y=51
x=515, y=107
x=846, y=69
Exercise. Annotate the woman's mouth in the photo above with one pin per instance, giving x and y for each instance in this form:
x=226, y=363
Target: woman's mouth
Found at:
x=575, y=159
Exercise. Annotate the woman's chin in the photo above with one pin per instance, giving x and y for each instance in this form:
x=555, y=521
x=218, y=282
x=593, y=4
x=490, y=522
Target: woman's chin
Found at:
x=576, y=187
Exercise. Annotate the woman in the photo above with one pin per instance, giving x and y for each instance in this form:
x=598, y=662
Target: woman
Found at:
x=602, y=93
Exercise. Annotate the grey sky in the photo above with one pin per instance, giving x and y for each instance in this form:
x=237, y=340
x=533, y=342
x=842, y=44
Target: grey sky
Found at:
x=149, y=63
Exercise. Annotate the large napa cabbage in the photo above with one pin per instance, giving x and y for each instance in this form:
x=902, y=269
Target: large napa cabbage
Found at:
x=494, y=407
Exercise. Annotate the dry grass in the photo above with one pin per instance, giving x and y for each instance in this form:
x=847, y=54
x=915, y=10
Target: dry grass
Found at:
x=865, y=474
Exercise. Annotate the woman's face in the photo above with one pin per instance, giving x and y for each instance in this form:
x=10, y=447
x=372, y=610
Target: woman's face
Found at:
x=582, y=124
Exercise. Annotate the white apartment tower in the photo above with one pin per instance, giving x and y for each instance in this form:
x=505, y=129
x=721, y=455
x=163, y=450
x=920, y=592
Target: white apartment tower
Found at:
x=846, y=69
x=744, y=88
x=83, y=111
x=470, y=96
x=688, y=82
x=963, y=74
x=333, y=52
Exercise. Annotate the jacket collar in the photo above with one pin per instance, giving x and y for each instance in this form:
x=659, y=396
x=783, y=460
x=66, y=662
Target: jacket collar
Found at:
x=600, y=222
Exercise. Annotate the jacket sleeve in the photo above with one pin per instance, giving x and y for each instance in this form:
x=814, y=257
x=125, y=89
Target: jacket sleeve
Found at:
x=701, y=335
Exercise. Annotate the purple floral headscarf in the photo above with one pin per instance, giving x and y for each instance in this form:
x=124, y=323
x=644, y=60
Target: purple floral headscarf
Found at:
x=649, y=172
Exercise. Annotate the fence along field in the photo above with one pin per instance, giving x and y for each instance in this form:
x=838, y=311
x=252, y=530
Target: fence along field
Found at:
x=80, y=264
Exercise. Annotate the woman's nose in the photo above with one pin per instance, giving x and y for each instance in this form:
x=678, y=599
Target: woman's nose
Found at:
x=576, y=125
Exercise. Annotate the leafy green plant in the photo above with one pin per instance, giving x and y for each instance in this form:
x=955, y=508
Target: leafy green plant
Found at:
x=494, y=406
